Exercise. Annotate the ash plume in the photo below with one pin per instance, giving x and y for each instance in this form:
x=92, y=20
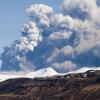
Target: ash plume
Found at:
x=65, y=41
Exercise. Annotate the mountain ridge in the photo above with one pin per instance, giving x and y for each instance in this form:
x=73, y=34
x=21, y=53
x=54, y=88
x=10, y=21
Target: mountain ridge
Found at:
x=75, y=86
x=44, y=72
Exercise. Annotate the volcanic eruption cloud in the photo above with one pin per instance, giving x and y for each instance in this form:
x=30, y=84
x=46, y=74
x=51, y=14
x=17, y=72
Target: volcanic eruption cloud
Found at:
x=64, y=41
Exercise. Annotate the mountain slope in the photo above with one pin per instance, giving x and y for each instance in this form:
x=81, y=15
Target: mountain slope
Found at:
x=76, y=86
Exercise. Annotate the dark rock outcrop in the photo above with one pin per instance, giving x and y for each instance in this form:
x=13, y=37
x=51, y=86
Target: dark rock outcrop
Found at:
x=79, y=86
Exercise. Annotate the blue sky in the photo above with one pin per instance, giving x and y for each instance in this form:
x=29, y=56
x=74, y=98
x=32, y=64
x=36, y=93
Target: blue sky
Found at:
x=13, y=16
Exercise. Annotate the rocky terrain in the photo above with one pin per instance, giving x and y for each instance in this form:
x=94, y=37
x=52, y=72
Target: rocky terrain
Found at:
x=76, y=86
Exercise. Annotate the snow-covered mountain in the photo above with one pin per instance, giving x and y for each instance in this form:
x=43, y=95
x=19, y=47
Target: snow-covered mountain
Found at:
x=44, y=72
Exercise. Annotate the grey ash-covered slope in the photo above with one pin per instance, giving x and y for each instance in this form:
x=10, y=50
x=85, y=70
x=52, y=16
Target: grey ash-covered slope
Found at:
x=76, y=86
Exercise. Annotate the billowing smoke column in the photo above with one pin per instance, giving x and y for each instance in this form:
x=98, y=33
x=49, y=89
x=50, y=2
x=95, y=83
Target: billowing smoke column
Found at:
x=65, y=41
